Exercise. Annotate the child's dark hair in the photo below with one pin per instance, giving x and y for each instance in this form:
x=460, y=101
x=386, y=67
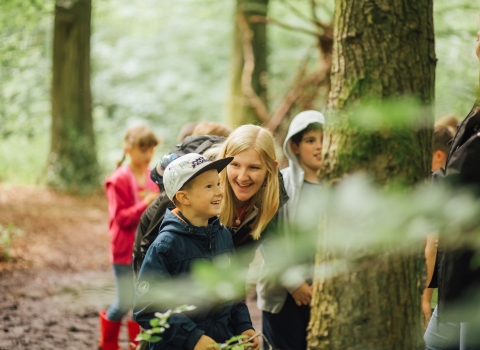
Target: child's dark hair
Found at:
x=441, y=137
x=138, y=136
x=297, y=138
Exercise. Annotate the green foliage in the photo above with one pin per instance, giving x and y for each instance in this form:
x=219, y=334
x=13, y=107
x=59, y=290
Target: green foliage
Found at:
x=7, y=234
x=456, y=24
x=170, y=67
x=222, y=285
x=234, y=343
x=75, y=169
x=160, y=323
x=24, y=88
x=24, y=68
x=360, y=218
x=380, y=115
x=23, y=158
x=165, y=64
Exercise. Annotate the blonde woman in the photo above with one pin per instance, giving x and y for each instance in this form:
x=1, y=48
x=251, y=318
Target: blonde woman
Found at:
x=253, y=190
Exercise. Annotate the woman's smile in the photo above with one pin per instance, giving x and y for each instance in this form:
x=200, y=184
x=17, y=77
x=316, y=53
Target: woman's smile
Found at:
x=246, y=174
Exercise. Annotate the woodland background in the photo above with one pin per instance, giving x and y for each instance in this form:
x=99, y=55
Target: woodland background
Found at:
x=167, y=63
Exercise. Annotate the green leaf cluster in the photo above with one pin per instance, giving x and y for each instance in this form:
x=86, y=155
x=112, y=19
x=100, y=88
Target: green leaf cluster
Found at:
x=166, y=64
x=160, y=323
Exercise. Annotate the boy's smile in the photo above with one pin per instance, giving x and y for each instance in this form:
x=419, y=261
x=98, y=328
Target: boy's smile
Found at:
x=205, y=197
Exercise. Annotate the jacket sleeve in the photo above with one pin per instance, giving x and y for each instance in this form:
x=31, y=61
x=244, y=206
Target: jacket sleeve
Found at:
x=153, y=277
x=121, y=205
x=156, y=215
x=241, y=318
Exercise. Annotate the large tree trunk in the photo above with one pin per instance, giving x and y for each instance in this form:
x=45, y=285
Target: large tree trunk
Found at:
x=247, y=96
x=382, y=49
x=72, y=161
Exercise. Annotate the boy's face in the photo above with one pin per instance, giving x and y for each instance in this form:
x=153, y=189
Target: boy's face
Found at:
x=205, y=195
x=309, y=150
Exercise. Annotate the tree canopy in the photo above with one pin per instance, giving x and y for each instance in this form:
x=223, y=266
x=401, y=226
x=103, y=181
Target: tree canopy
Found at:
x=165, y=65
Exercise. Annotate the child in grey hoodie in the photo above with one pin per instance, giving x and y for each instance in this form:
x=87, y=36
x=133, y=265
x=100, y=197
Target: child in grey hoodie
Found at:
x=285, y=304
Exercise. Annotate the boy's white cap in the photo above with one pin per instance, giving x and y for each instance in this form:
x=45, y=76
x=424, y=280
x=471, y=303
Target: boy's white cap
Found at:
x=186, y=168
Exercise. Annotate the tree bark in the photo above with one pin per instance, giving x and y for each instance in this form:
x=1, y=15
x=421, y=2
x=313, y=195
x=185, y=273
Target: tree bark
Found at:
x=244, y=106
x=383, y=49
x=72, y=162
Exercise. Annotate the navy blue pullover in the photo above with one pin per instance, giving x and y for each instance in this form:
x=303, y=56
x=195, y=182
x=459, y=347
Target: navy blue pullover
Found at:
x=178, y=245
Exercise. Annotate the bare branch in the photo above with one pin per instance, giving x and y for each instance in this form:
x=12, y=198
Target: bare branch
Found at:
x=300, y=82
x=253, y=99
x=313, y=5
x=292, y=97
x=263, y=19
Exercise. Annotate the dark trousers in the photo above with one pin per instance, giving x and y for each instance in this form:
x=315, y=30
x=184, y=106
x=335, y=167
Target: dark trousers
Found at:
x=287, y=330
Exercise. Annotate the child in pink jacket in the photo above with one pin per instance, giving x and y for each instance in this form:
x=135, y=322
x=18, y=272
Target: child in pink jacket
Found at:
x=129, y=191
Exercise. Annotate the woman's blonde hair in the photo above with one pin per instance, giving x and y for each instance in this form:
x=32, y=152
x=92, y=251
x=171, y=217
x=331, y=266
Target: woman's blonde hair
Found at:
x=267, y=198
x=138, y=135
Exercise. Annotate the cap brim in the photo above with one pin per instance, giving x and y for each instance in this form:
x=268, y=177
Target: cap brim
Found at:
x=217, y=165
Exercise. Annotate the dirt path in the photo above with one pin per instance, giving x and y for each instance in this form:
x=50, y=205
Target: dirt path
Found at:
x=59, y=275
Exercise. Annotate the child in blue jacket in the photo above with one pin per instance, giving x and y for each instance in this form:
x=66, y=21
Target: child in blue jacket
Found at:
x=189, y=233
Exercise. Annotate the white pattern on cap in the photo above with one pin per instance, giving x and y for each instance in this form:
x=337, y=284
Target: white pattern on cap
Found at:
x=186, y=168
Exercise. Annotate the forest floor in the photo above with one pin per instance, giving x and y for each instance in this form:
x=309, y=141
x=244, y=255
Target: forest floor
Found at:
x=58, y=275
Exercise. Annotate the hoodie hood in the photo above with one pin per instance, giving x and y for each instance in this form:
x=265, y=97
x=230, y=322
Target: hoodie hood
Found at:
x=299, y=123
x=294, y=174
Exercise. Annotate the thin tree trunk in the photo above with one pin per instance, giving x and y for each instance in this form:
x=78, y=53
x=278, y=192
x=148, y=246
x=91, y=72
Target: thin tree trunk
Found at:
x=240, y=102
x=72, y=161
x=382, y=49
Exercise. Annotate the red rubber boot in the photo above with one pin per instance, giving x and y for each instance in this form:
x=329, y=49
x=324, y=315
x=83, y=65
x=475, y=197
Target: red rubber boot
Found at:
x=133, y=331
x=109, y=331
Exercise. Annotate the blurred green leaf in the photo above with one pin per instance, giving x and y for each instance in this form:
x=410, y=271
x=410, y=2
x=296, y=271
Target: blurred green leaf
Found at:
x=155, y=339
x=154, y=322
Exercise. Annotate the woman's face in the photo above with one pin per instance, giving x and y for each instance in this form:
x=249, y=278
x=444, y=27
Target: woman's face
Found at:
x=246, y=175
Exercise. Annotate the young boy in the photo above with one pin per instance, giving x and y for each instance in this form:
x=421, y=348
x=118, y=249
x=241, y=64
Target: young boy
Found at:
x=286, y=307
x=189, y=233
